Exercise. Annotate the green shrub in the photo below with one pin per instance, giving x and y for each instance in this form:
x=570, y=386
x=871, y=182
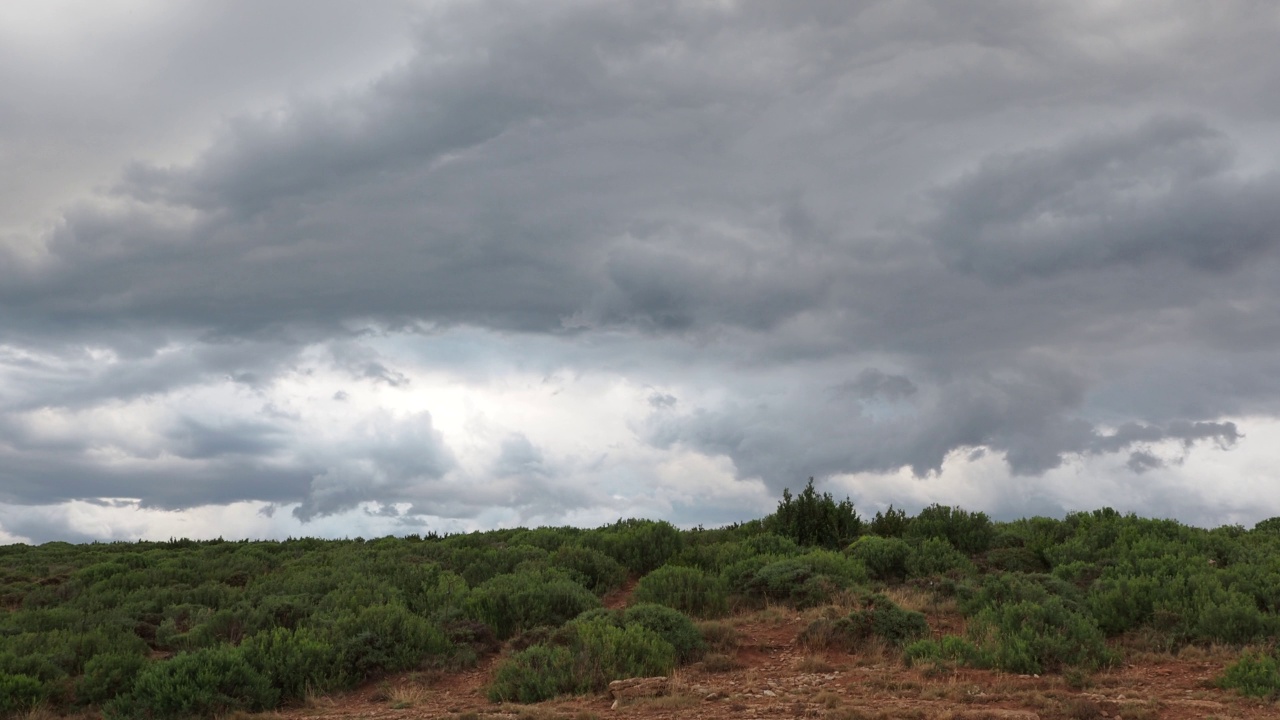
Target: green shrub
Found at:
x=970, y=533
x=686, y=589
x=205, y=683
x=597, y=653
x=639, y=545
x=884, y=557
x=604, y=653
x=890, y=523
x=106, y=676
x=671, y=625
x=1015, y=559
x=512, y=603
x=935, y=556
x=951, y=649
x=879, y=617
x=813, y=519
x=804, y=580
x=380, y=639
x=1034, y=637
x=19, y=693
x=296, y=661
x=592, y=569
x=532, y=675
x=1255, y=674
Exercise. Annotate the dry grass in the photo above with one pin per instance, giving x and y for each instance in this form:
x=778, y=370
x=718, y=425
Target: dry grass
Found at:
x=828, y=699
x=406, y=696
x=812, y=664
x=912, y=598
x=719, y=636
x=720, y=662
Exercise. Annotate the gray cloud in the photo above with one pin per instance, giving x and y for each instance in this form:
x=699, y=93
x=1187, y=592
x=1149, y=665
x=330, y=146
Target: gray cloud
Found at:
x=849, y=237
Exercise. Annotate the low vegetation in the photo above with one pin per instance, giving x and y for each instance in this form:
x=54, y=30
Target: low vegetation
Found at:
x=209, y=628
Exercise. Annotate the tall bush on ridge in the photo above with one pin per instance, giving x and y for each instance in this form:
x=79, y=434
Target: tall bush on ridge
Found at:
x=813, y=519
x=970, y=533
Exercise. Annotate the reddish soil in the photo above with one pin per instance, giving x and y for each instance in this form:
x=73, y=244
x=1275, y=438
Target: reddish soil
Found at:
x=777, y=678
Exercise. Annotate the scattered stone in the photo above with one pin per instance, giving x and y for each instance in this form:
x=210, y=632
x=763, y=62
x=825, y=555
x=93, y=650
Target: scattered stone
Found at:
x=639, y=687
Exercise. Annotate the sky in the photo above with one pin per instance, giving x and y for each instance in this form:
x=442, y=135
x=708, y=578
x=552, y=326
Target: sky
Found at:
x=310, y=267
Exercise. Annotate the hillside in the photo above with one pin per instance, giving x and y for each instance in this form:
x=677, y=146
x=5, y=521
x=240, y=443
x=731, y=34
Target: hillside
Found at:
x=810, y=612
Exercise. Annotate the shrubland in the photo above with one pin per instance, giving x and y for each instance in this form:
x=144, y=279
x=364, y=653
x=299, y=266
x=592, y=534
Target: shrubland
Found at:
x=207, y=628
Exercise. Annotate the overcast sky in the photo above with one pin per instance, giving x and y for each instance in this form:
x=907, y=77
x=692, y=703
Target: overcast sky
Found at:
x=310, y=267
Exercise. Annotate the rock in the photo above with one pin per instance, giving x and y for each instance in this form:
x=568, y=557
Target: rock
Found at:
x=639, y=687
x=769, y=693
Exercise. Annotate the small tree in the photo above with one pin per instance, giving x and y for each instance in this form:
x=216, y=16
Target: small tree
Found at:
x=813, y=519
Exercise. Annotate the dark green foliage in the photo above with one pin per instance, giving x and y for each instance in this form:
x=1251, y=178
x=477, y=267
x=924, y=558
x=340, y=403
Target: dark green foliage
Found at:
x=671, y=625
x=878, y=617
x=19, y=693
x=890, y=523
x=884, y=557
x=512, y=603
x=639, y=545
x=1255, y=673
x=205, y=683
x=534, y=674
x=970, y=533
x=812, y=519
x=108, y=675
x=1034, y=637
x=591, y=568
x=935, y=556
x=1015, y=559
x=952, y=649
x=804, y=580
x=594, y=654
x=686, y=589
x=296, y=661
x=382, y=639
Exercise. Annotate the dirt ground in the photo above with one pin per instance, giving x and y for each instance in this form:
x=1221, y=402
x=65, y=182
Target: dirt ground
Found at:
x=768, y=675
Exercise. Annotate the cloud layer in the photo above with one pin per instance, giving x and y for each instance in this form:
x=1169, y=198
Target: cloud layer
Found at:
x=565, y=261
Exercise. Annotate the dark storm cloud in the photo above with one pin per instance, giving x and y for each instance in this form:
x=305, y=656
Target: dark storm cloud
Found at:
x=1165, y=191
x=883, y=232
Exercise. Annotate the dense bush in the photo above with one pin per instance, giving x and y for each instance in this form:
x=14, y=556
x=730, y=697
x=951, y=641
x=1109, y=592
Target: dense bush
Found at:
x=596, y=653
x=803, y=580
x=591, y=568
x=890, y=523
x=297, y=661
x=1255, y=673
x=204, y=683
x=813, y=519
x=671, y=625
x=970, y=533
x=935, y=556
x=512, y=603
x=108, y=675
x=19, y=693
x=952, y=649
x=884, y=557
x=377, y=640
x=1034, y=637
x=689, y=590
